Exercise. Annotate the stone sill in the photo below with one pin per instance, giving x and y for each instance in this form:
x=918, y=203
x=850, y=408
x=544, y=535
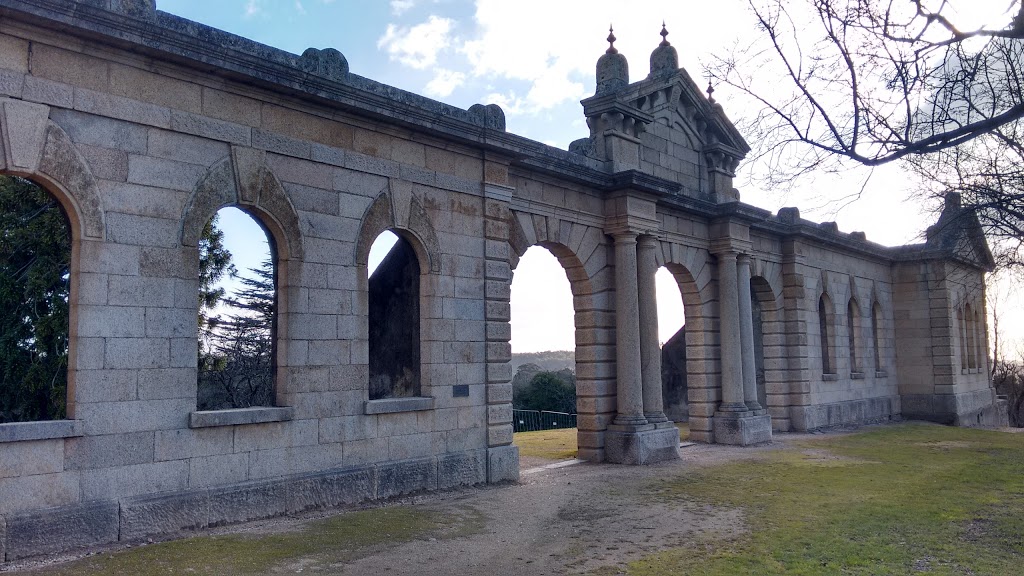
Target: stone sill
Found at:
x=829, y=377
x=856, y=375
x=393, y=405
x=44, y=430
x=881, y=374
x=240, y=416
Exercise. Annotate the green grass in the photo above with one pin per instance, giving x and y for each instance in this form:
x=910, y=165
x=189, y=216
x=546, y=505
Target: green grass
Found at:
x=551, y=444
x=315, y=548
x=561, y=444
x=903, y=499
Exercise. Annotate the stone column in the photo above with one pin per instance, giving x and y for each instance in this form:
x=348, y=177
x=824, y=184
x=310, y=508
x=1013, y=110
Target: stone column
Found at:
x=729, y=327
x=747, y=334
x=630, y=399
x=650, y=352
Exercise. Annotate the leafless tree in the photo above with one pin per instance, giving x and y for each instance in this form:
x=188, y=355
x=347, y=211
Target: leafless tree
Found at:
x=845, y=82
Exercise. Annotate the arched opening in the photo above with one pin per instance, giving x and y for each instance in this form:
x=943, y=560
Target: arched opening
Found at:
x=765, y=310
x=393, y=324
x=961, y=325
x=876, y=335
x=979, y=339
x=238, y=313
x=36, y=302
x=825, y=332
x=544, y=355
x=853, y=335
x=672, y=337
x=971, y=338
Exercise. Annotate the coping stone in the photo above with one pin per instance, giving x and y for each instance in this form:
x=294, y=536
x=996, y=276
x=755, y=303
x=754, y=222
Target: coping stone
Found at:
x=45, y=430
x=236, y=416
x=59, y=529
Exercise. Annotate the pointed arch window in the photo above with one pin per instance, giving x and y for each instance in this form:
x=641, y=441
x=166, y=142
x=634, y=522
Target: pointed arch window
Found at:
x=876, y=335
x=828, y=362
x=853, y=334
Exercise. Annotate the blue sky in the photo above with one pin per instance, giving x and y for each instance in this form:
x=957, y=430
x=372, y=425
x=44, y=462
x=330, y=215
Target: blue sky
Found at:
x=536, y=59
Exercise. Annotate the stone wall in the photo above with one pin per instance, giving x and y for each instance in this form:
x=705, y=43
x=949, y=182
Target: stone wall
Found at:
x=143, y=125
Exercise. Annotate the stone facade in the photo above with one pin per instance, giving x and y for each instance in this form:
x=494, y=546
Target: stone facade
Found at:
x=143, y=125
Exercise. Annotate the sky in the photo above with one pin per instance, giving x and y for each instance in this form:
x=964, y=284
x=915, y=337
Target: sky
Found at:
x=536, y=59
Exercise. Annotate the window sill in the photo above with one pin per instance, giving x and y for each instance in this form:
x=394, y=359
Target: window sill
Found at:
x=239, y=416
x=392, y=405
x=44, y=430
x=829, y=377
x=856, y=375
x=881, y=374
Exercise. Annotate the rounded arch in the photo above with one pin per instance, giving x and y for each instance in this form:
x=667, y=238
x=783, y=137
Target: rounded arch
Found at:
x=35, y=148
x=826, y=333
x=244, y=180
x=853, y=331
x=770, y=353
x=416, y=229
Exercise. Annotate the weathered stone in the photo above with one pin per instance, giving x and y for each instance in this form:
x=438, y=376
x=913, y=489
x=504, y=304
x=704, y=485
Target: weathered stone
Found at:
x=331, y=489
x=502, y=464
x=163, y=515
x=247, y=501
x=59, y=529
x=406, y=477
x=465, y=469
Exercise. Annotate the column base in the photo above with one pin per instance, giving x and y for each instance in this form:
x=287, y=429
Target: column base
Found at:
x=639, y=447
x=733, y=408
x=742, y=430
x=656, y=418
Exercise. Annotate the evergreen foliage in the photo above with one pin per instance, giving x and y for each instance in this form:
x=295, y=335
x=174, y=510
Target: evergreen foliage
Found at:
x=550, y=391
x=35, y=260
x=236, y=365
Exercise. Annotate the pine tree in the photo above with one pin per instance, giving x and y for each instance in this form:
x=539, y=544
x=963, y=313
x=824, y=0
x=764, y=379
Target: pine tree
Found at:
x=239, y=369
x=35, y=259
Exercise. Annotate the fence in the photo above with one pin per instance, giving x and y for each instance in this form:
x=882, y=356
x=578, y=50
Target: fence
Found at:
x=531, y=420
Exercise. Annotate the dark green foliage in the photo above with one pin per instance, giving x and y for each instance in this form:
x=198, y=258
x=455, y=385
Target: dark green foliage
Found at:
x=35, y=260
x=551, y=391
x=1008, y=379
x=236, y=366
x=214, y=264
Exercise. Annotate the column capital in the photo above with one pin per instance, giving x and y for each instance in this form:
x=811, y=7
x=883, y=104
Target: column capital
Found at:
x=647, y=241
x=625, y=236
x=730, y=245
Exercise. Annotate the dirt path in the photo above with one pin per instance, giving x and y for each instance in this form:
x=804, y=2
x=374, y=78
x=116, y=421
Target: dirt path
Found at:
x=558, y=520
x=567, y=520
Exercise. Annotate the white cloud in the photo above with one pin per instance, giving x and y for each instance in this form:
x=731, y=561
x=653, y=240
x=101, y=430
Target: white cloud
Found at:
x=253, y=7
x=299, y=7
x=444, y=82
x=399, y=7
x=417, y=47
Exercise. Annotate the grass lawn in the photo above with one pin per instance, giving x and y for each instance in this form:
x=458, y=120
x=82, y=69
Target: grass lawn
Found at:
x=561, y=444
x=905, y=499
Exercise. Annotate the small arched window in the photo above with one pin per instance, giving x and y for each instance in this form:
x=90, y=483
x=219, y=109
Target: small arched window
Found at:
x=828, y=364
x=852, y=333
x=971, y=337
x=979, y=339
x=237, y=313
x=394, y=318
x=961, y=326
x=876, y=335
x=35, y=302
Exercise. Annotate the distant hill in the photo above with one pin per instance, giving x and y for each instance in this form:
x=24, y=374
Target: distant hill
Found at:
x=553, y=360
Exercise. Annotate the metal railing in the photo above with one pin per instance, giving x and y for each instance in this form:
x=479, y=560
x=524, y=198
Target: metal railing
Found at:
x=532, y=420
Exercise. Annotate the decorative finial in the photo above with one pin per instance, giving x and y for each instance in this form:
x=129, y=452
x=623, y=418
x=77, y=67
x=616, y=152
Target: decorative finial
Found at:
x=611, y=42
x=664, y=35
x=711, y=90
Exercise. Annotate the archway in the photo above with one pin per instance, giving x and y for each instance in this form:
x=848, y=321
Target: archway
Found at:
x=543, y=341
x=769, y=352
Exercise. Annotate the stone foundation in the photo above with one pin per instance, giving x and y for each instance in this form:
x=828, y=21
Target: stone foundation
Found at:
x=742, y=430
x=643, y=446
x=67, y=528
x=851, y=413
x=977, y=408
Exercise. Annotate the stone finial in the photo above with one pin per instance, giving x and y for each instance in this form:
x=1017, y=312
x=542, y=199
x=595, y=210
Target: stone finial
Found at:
x=664, y=59
x=611, y=41
x=612, y=68
x=710, y=91
x=490, y=116
x=328, y=63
